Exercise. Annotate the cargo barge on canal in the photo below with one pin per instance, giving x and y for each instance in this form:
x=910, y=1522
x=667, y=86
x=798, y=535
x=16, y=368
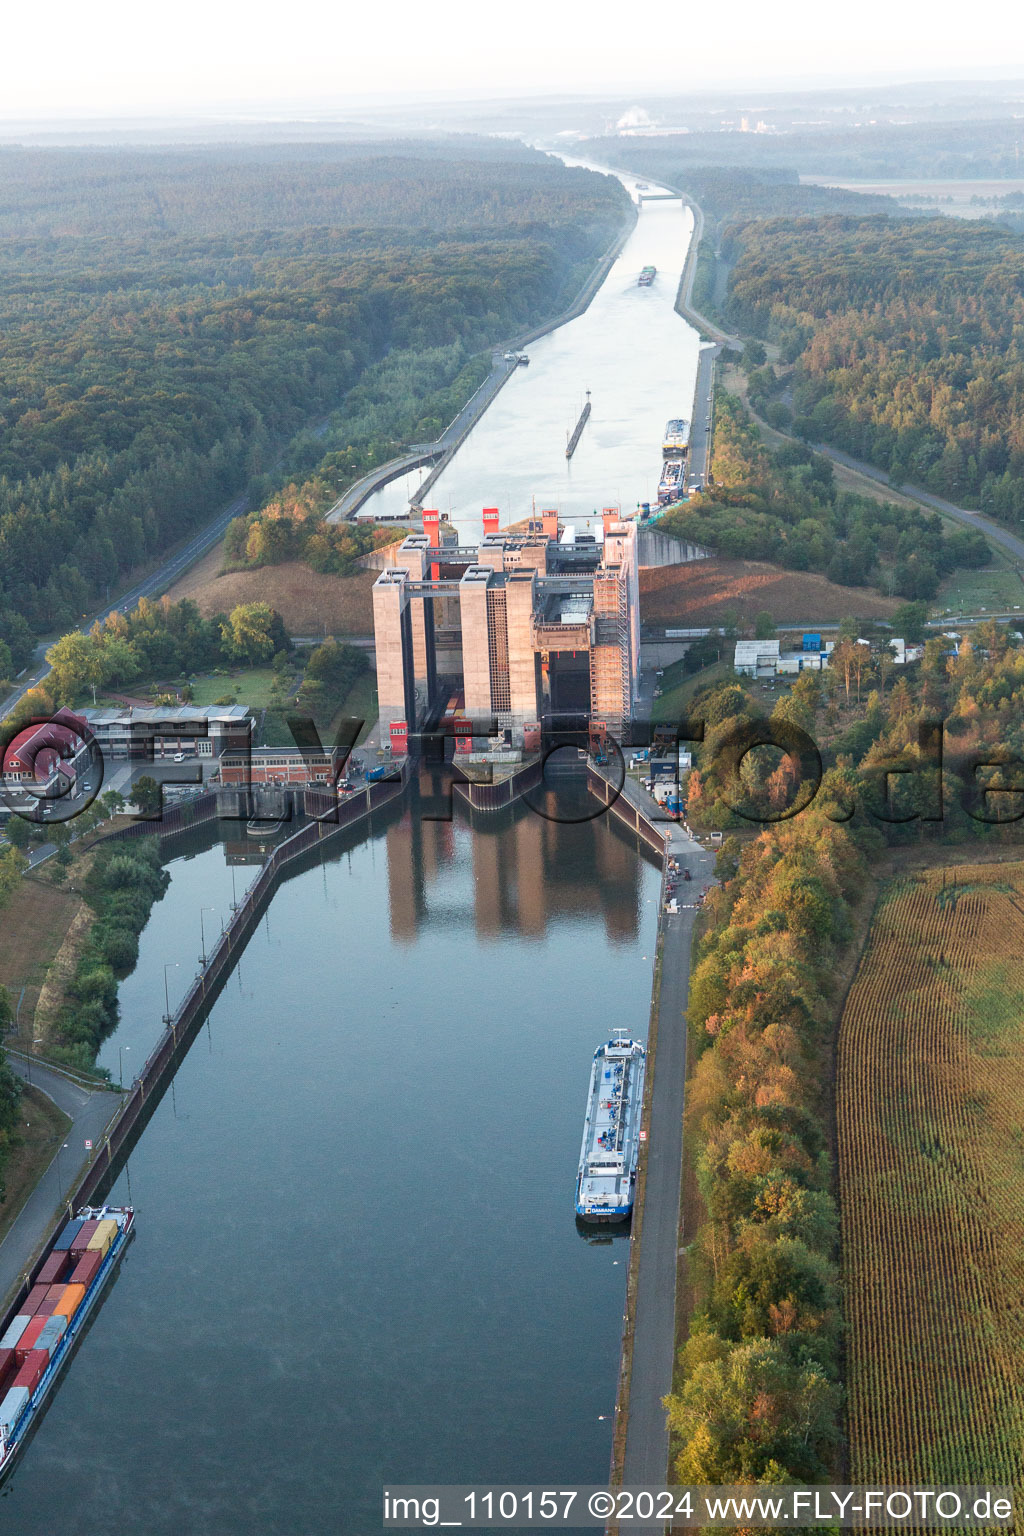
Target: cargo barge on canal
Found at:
x=41, y=1338
x=611, y=1132
x=672, y=482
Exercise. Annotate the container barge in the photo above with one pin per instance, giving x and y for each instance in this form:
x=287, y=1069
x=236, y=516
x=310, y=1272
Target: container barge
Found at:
x=611, y=1132
x=40, y=1339
x=647, y=276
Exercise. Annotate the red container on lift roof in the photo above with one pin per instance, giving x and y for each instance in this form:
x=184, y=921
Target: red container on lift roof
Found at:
x=54, y=1268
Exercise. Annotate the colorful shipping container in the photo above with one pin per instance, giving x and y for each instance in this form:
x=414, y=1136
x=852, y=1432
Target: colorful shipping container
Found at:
x=34, y=1347
x=86, y=1270
x=34, y=1369
x=67, y=1237
x=56, y=1327
x=103, y=1236
x=71, y=1300
x=13, y=1404
x=54, y=1268
x=83, y=1237
x=27, y=1343
x=15, y=1330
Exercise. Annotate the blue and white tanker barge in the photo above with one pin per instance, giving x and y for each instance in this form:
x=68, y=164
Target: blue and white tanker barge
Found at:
x=611, y=1133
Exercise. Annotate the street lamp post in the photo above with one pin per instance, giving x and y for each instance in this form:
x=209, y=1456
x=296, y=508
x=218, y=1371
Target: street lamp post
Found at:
x=202, y=931
x=60, y=1174
x=172, y=965
x=120, y=1071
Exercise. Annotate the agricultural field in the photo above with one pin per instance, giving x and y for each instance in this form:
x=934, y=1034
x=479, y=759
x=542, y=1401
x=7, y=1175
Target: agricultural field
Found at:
x=930, y=1103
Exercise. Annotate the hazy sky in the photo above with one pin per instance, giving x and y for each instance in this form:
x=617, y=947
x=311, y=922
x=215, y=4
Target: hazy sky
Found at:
x=68, y=57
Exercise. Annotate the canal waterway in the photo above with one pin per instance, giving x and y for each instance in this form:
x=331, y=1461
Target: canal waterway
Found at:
x=356, y=1259
x=632, y=351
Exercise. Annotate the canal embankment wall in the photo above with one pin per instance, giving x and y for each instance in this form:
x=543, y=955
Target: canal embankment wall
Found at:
x=495, y=797
x=455, y=434
x=328, y=821
x=634, y=816
x=440, y=453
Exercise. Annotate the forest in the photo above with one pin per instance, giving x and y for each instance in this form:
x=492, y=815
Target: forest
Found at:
x=759, y=1388
x=122, y=885
x=759, y=1394
x=785, y=507
x=291, y=527
x=169, y=320
x=156, y=640
x=732, y=191
x=869, y=151
x=906, y=341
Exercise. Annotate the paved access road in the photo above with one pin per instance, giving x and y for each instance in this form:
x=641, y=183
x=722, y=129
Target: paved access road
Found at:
x=152, y=586
x=703, y=417
x=646, y=1454
x=90, y=1111
x=992, y=530
x=985, y=525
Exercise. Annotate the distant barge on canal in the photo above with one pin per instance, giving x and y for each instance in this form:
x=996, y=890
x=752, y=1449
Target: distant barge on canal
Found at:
x=606, y=1180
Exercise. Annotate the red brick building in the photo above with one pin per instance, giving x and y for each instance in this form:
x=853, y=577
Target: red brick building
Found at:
x=40, y=751
x=282, y=765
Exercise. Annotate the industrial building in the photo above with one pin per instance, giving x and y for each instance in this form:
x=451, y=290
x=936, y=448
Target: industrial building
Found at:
x=525, y=625
x=281, y=765
x=144, y=732
x=765, y=658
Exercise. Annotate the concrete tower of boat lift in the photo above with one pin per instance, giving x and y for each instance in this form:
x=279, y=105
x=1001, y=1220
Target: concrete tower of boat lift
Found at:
x=524, y=624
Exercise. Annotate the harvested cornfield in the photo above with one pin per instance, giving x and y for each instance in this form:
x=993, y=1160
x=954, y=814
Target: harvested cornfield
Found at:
x=930, y=1106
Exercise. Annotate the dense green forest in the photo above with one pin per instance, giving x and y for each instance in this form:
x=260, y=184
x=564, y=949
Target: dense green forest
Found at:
x=732, y=190
x=155, y=640
x=410, y=396
x=727, y=193
x=169, y=320
x=868, y=152
x=291, y=527
x=124, y=882
x=907, y=341
x=785, y=507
